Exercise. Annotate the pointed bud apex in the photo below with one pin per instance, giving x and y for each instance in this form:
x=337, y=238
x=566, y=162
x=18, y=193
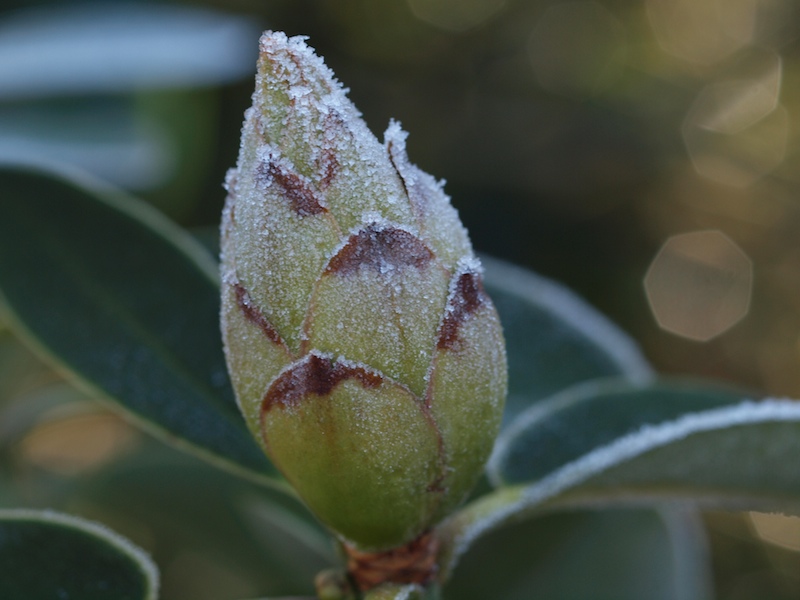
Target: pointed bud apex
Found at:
x=366, y=357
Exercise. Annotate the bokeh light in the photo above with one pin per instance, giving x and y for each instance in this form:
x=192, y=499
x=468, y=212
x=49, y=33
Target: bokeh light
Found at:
x=577, y=47
x=455, y=15
x=703, y=31
x=79, y=443
x=699, y=285
x=736, y=131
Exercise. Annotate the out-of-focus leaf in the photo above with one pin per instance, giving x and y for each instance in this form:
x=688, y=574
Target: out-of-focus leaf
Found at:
x=217, y=535
x=602, y=555
x=107, y=47
x=125, y=301
x=553, y=338
x=105, y=137
x=47, y=555
x=20, y=370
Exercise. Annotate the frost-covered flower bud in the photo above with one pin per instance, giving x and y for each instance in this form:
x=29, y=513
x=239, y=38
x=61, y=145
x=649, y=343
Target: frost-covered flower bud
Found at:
x=367, y=359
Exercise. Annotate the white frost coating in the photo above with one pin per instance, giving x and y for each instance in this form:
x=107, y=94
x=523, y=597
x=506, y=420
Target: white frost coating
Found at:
x=469, y=264
x=321, y=130
x=395, y=134
x=381, y=223
x=139, y=556
x=566, y=305
x=298, y=45
x=627, y=448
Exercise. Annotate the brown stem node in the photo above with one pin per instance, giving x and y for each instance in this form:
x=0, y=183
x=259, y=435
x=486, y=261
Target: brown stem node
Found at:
x=413, y=563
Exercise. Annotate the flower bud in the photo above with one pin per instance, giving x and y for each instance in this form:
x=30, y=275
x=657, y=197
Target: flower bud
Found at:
x=366, y=357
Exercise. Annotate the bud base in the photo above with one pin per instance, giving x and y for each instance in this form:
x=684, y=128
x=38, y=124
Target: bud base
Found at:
x=413, y=563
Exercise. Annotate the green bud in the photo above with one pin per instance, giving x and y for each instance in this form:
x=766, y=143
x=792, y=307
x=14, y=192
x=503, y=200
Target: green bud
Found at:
x=366, y=357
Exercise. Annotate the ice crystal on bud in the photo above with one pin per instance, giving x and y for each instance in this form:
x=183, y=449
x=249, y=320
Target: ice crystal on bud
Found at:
x=366, y=357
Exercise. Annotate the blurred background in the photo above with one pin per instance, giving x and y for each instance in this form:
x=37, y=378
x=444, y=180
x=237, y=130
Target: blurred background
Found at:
x=642, y=152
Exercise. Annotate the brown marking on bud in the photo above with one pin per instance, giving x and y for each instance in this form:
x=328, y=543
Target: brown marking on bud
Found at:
x=230, y=204
x=414, y=562
x=316, y=375
x=467, y=298
x=379, y=248
x=401, y=165
x=254, y=315
x=301, y=197
x=328, y=163
x=409, y=177
x=329, y=168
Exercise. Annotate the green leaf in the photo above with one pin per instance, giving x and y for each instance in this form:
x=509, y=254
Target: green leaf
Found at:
x=113, y=293
x=614, y=443
x=46, y=555
x=597, y=555
x=582, y=418
x=553, y=338
x=617, y=442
